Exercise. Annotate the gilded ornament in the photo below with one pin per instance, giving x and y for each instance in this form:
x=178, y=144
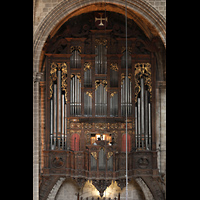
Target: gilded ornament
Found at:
x=87, y=66
x=78, y=75
x=89, y=94
x=114, y=67
x=123, y=77
x=143, y=70
x=77, y=48
x=124, y=49
x=94, y=154
x=102, y=82
x=53, y=77
x=112, y=94
x=109, y=154
x=101, y=41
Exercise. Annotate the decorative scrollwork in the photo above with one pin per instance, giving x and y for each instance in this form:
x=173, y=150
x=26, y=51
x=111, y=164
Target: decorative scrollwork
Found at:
x=112, y=94
x=53, y=77
x=89, y=94
x=143, y=70
x=103, y=82
x=124, y=49
x=109, y=154
x=77, y=48
x=64, y=79
x=114, y=67
x=101, y=41
x=78, y=75
x=94, y=154
x=87, y=66
x=123, y=77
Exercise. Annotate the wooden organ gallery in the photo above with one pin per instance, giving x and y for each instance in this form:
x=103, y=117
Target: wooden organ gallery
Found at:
x=85, y=67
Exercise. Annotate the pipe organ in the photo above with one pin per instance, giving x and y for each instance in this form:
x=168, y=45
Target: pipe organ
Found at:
x=58, y=107
x=85, y=103
x=143, y=92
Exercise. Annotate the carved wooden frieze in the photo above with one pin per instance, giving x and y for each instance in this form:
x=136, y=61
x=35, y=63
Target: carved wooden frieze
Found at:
x=143, y=160
x=57, y=162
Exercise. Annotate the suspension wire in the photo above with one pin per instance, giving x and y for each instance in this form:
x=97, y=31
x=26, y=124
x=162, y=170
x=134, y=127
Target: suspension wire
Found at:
x=126, y=102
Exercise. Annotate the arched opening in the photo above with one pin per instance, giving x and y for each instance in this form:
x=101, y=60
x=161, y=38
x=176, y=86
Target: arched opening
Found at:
x=47, y=41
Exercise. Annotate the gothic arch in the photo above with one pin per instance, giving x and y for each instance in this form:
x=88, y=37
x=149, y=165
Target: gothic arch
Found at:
x=144, y=14
x=146, y=191
x=52, y=191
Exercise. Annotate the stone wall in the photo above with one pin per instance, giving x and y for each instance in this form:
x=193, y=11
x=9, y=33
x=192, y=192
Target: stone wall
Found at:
x=42, y=7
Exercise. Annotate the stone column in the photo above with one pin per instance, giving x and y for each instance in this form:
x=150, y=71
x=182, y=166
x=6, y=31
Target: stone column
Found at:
x=36, y=79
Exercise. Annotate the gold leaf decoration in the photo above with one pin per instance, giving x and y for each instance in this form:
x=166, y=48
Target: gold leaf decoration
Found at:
x=143, y=70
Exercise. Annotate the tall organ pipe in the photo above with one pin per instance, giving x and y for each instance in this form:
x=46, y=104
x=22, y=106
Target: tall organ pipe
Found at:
x=142, y=111
x=65, y=135
x=59, y=114
x=51, y=127
x=55, y=115
x=59, y=101
x=138, y=122
x=63, y=119
x=146, y=119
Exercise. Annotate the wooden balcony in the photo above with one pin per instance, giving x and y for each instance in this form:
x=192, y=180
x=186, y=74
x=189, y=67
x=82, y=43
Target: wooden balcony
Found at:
x=99, y=161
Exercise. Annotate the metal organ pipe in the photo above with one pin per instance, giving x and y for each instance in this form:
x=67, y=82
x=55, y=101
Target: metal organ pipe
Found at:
x=55, y=115
x=63, y=119
x=142, y=111
x=65, y=133
x=138, y=122
x=150, y=125
x=58, y=112
x=51, y=126
x=136, y=133
x=143, y=120
x=59, y=101
x=146, y=119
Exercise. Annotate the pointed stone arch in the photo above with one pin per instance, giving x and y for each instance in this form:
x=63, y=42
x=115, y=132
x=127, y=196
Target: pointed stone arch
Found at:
x=144, y=14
